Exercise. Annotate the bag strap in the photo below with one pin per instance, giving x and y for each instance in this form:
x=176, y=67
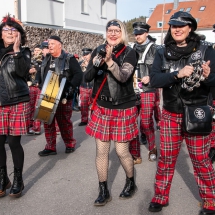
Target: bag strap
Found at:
x=145, y=52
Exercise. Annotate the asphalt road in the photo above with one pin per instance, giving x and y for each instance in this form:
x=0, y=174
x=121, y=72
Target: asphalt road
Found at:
x=67, y=184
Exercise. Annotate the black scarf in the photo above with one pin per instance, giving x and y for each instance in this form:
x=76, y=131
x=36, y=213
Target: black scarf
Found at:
x=4, y=50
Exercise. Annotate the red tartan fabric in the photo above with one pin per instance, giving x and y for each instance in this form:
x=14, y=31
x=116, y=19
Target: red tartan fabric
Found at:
x=34, y=95
x=157, y=111
x=213, y=131
x=147, y=107
x=86, y=100
x=63, y=116
x=171, y=137
x=134, y=147
x=15, y=119
x=119, y=125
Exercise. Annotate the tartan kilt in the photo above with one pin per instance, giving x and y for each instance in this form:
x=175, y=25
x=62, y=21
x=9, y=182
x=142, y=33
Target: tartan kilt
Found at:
x=15, y=119
x=119, y=125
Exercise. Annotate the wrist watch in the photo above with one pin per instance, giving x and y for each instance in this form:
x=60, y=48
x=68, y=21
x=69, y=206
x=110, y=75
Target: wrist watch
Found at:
x=16, y=53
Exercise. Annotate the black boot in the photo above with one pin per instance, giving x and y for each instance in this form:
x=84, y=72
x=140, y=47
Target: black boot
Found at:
x=129, y=189
x=18, y=186
x=4, y=181
x=104, y=195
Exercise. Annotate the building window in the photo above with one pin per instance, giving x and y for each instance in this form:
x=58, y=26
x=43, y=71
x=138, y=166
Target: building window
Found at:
x=84, y=6
x=188, y=9
x=168, y=11
x=202, y=8
x=182, y=9
x=103, y=8
x=159, y=24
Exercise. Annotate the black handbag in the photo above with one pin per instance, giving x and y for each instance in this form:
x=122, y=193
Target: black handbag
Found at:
x=197, y=120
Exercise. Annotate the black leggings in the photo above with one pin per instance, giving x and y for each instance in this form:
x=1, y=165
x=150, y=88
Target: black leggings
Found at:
x=16, y=150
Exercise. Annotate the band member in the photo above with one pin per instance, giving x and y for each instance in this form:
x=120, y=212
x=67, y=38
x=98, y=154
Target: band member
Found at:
x=67, y=66
x=85, y=88
x=14, y=101
x=115, y=115
x=33, y=83
x=146, y=49
x=181, y=56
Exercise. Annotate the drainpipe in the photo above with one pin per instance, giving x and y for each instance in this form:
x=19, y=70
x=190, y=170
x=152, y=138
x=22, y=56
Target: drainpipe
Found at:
x=16, y=9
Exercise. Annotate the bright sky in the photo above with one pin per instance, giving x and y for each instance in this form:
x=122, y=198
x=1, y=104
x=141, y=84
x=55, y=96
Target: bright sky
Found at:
x=129, y=9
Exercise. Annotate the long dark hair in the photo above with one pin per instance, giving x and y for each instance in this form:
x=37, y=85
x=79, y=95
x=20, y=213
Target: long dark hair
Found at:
x=7, y=20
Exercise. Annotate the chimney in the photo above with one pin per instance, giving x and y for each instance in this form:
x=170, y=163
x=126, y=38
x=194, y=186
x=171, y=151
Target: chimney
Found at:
x=175, y=6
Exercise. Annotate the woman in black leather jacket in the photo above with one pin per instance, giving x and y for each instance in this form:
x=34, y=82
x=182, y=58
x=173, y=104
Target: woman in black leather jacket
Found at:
x=114, y=117
x=14, y=97
x=182, y=54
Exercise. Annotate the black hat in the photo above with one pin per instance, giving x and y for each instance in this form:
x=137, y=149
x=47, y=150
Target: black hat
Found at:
x=213, y=27
x=44, y=44
x=86, y=51
x=140, y=27
x=37, y=46
x=181, y=18
x=55, y=38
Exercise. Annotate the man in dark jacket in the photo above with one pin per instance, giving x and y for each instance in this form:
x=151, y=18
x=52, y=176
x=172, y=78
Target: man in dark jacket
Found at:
x=146, y=49
x=66, y=66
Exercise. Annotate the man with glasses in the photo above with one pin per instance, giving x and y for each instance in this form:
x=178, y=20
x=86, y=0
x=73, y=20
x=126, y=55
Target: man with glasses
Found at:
x=146, y=49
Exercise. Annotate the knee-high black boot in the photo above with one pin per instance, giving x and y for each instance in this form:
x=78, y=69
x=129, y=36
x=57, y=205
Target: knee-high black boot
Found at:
x=4, y=181
x=129, y=188
x=104, y=195
x=18, y=186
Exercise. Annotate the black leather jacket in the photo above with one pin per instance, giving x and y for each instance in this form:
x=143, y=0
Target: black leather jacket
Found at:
x=163, y=76
x=67, y=66
x=13, y=73
x=119, y=92
x=144, y=68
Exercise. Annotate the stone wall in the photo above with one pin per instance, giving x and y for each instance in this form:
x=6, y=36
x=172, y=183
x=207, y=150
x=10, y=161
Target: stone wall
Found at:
x=73, y=41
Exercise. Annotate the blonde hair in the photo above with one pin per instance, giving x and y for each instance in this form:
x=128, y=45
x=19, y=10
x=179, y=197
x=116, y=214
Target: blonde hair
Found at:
x=124, y=38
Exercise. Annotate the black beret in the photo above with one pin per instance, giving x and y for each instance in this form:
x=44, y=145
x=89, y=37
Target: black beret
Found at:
x=44, y=44
x=55, y=38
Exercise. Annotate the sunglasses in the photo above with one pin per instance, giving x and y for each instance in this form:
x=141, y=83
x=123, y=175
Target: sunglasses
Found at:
x=12, y=30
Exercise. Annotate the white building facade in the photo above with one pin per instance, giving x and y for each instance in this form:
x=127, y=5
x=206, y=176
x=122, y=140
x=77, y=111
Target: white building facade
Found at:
x=82, y=15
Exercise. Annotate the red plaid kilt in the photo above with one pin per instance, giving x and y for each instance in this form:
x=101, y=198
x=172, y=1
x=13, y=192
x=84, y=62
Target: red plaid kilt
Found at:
x=119, y=125
x=15, y=119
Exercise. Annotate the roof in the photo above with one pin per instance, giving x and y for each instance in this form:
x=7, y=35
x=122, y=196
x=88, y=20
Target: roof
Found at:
x=204, y=18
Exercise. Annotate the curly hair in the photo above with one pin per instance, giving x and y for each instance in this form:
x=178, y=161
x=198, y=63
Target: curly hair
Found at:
x=7, y=20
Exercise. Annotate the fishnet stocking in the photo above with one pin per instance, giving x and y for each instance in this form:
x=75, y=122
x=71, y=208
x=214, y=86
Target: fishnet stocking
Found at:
x=102, y=159
x=126, y=160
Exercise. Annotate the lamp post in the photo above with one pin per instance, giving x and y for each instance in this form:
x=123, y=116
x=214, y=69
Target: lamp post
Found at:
x=16, y=10
x=162, y=22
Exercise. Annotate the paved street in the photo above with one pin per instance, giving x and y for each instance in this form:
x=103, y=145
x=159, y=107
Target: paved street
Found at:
x=67, y=184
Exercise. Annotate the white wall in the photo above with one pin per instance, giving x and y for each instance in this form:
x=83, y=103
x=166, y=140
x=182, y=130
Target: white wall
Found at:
x=6, y=7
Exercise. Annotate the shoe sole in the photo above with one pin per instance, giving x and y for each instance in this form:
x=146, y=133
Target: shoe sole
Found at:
x=102, y=204
x=156, y=210
x=18, y=194
x=43, y=155
x=124, y=198
x=3, y=193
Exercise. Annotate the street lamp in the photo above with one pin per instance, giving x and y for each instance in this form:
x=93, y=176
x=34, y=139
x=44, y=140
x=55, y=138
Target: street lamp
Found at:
x=162, y=22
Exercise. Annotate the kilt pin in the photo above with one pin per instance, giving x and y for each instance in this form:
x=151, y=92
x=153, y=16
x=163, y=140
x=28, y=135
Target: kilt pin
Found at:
x=171, y=137
x=86, y=100
x=63, y=117
x=34, y=95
